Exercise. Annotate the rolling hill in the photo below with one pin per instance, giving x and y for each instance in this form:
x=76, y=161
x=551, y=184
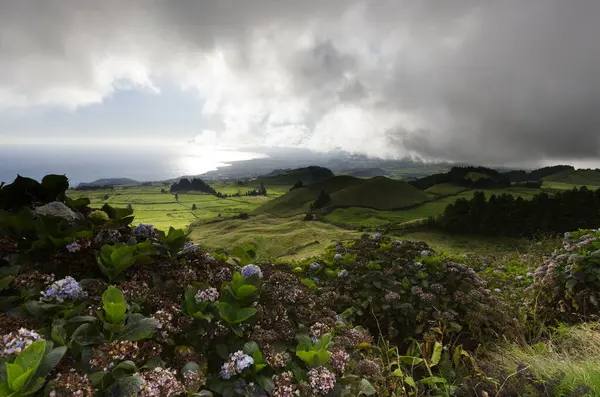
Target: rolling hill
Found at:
x=109, y=182
x=579, y=177
x=346, y=191
x=307, y=175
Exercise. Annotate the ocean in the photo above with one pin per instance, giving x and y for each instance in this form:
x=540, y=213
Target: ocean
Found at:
x=88, y=163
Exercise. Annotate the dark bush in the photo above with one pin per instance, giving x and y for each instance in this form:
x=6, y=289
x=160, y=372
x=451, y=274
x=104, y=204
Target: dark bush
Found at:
x=309, y=217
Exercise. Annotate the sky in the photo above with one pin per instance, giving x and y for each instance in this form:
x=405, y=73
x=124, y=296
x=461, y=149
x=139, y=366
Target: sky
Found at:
x=494, y=82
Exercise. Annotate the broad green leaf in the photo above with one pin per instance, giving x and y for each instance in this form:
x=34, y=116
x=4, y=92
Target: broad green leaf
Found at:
x=266, y=383
x=244, y=314
x=250, y=348
x=245, y=291
x=437, y=353
x=323, y=343
x=410, y=381
x=113, y=303
x=51, y=360
x=139, y=330
x=366, y=388
x=19, y=383
x=128, y=386
x=5, y=390
x=31, y=357
x=13, y=371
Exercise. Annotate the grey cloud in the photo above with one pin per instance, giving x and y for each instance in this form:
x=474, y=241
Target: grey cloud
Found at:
x=494, y=82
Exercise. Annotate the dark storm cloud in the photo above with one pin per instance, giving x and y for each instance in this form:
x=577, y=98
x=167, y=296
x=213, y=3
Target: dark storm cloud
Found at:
x=496, y=82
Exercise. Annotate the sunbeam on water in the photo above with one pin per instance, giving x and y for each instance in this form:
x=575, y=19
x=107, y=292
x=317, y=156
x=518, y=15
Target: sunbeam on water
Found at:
x=85, y=164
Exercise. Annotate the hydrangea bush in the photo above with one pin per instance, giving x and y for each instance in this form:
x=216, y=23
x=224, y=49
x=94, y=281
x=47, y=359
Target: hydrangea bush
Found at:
x=569, y=280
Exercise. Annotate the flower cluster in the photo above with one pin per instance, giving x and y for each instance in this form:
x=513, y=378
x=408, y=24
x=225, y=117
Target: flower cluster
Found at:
x=284, y=385
x=376, y=236
x=66, y=289
x=71, y=384
x=189, y=248
x=321, y=380
x=236, y=364
x=107, y=236
x=337, y=257
x=144, y=231
x=277, y=360
x=342, y=273
x=73, y=247
x=339, y=360
x=16, y=342
x=210, y=294
x=160, y=382
x=30, y=279
x=250, y=270
x=368, y=367
x=318, y=330
x=105, y=356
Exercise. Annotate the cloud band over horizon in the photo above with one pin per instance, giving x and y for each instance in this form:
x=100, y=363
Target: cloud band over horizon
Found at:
x=490, y=82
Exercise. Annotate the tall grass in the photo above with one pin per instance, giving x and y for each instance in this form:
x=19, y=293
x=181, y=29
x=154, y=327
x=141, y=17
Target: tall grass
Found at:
x=566, y=363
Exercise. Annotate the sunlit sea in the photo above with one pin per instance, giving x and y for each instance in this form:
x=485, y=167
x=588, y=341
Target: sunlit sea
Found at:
x=85, y=164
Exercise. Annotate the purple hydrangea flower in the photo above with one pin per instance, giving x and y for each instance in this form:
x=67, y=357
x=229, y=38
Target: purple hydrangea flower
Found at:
x=342, y=273
x=66, y=289
x=16, y=342
x=497, y=290
x=73, y=247
x=236, y=364
x=144, y=230
x=250, y=270
x=337, y=257
x=210, y=294
x=425, y=253
x=376, y=236
x=315, y=266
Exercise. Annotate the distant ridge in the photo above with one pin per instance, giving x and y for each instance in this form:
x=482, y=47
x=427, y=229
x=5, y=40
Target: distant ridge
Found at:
x=109, y=182
x=306, y=175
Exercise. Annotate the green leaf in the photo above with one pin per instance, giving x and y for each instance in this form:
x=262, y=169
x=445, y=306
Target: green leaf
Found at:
x=266, y=383
x=31, y=357
x=245, y=291
x=139, y=330
x=113, y=303
x=250, y=348
x=437, y=353
x=570, y=284
x=5, y=390
x=125, y=387
x=323, y=343
x=410, y=381
x=19, y=383
x=51, y=360
x=366, y=388
x=13, y=371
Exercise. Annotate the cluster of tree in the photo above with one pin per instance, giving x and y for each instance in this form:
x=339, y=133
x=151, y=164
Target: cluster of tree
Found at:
x=261, y=191
x=321, y=201
x=506, y=215
x=185, y=185
x=297, y=185
x=536, y=175
x=462, y=176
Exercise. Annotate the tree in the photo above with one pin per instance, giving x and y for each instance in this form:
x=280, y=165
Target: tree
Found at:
x=322, y=200
x=262, y=191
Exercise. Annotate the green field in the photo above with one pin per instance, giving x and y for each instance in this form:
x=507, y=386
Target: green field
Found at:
x=274, y=238
x=365, y=217
x=347, y=191
x=161, y=209
x=573, y=178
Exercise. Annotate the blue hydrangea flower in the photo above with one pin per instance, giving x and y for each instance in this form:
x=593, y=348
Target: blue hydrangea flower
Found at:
x=567, y=235
x=66, y=289
x=376, y=236
x=236, y=364
x=16, y=342
x=250, y=270
x=337, y=257
x=342, y=273
x=73, y=247
x=425, y=253
x=497, y=290
x=144, y=230
x=315, y=266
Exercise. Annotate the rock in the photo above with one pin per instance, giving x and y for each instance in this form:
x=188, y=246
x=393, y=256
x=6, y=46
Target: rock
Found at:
x=56, y=208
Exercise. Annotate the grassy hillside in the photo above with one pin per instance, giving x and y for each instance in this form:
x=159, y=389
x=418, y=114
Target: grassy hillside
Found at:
x=446, y=189
x=307, y=175
x=289, y=238
x=347, y=191
x=380, y=193
x=576, y=177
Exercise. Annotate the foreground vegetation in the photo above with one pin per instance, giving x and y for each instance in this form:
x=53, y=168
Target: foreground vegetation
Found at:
x=92, y=306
